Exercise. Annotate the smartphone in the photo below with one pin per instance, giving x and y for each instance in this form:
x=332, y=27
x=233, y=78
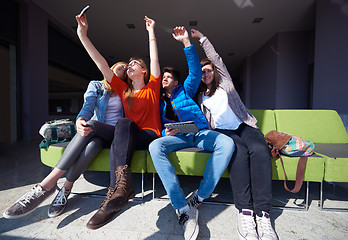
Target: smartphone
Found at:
x=84, y=10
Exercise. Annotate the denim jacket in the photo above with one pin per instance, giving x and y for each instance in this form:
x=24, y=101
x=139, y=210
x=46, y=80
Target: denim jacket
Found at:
x=95, y=102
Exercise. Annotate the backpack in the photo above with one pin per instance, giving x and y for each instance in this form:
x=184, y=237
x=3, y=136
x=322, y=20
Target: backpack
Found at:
x=55, y=131
x=286, y=144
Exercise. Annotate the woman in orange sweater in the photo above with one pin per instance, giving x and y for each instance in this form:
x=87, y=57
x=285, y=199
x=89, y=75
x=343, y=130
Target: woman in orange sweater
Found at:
x=140, y=126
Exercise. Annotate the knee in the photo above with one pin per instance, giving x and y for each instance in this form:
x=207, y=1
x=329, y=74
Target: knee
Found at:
x=92, y=123
x=260, y=149
x=227, y=143
x=154, y=146
x=122, y=122
x=95, y=145
x=124, y=126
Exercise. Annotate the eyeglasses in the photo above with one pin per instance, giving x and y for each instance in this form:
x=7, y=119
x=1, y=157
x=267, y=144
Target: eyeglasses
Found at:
x=132, y=63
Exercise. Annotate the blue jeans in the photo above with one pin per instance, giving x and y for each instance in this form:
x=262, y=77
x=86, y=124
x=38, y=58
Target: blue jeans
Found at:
x=220, y=145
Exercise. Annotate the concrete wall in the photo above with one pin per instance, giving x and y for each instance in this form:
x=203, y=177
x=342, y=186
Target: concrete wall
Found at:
x=330, y=88
x=292, y=70
x=303, y=69
x=34, y=70
x=263, y=76
x=279, y=73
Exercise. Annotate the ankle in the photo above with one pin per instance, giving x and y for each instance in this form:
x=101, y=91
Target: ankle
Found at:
x=45, y=187
x=68, y=185
x=185, y=208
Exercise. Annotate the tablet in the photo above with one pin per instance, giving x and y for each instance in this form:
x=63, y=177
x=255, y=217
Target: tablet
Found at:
x=185, y=127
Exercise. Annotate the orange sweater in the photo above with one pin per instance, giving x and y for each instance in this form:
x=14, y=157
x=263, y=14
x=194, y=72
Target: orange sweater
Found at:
x=144, y=109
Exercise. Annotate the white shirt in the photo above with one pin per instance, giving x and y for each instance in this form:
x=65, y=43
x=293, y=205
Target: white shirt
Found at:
x=221, y=112
x=113, y=110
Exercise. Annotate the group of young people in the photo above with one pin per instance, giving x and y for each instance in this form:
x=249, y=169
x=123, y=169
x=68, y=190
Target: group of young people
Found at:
x=127, y=111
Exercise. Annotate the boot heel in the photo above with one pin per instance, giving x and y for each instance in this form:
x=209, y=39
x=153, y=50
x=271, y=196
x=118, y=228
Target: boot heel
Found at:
x=131, y=195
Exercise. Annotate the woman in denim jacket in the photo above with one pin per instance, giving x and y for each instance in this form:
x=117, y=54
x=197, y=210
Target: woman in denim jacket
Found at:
x=95, y=126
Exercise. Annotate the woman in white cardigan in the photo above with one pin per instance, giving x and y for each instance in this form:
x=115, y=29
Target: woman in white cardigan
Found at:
x=250, y=168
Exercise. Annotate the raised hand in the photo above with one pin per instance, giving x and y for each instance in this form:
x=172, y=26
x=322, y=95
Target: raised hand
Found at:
x=150, y=23
x=196, y=34
x=82, y=25
x=180, y=34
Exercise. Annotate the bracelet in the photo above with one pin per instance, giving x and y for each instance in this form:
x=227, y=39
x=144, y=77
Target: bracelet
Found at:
x=152, y=39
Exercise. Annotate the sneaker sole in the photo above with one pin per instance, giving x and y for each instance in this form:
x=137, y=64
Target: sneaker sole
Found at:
x=56, y=214
x=196, y=230
x=17, y=216
x=24, y=214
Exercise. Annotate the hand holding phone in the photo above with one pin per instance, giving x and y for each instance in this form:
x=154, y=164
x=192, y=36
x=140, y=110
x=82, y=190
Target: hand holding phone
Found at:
x=83, y=11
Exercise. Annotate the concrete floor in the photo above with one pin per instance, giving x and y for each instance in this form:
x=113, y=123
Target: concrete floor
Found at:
x=21, y=169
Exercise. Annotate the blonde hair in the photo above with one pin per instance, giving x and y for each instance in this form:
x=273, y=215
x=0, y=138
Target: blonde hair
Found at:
x=106, y=85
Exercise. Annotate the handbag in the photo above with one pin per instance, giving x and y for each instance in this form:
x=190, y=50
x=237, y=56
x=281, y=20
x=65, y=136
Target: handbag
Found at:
x=286, y=144
x=55, y=131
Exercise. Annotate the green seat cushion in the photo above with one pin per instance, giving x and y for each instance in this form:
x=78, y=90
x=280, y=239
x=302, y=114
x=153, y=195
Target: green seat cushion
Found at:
x=318, y=126
x=336, y=165
x=314, y=170
x=188, y=161
x=53, y=153
x=336, y=170
x=265, y=120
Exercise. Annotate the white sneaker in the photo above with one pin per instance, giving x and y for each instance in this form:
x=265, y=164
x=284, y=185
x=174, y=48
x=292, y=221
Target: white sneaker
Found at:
x=264, y=227
x=246, y=225
x=189, y=220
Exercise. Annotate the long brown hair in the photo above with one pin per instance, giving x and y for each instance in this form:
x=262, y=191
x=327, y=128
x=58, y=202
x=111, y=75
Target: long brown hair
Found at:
x=129, y=93
x=216, y=81
x=106, y=85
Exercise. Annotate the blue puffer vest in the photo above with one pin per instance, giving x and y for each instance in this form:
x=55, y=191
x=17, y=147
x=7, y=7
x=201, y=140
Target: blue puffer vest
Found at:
x=181, y=98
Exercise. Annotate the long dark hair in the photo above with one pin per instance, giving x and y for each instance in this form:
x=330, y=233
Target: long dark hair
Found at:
x=216, y=81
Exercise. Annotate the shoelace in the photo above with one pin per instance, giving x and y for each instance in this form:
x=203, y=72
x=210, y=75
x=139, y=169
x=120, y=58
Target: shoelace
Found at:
x=248, y=224
x=61, y=197
x=118, y=180
x=183, y=218
x=36, y=191
x=194, y=202
x=264, y=224
x=108, y=196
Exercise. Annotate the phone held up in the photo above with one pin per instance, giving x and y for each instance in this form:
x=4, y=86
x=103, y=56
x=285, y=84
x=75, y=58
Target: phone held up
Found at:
x=84, y=10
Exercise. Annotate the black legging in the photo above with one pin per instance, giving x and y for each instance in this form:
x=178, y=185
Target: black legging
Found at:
x=250, y=169
x=81, y=151
x=127, y=139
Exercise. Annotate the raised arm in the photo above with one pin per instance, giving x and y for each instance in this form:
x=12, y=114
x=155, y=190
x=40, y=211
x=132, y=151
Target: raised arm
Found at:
x=155, y=69
x=98, y=59
x=212, y=55
x=194, y=77
x=180, y=34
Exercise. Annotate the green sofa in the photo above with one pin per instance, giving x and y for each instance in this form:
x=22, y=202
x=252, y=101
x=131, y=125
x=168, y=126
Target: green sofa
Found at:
x=323, y=127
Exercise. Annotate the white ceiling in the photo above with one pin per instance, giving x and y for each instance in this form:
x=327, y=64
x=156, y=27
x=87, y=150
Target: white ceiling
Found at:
x=227, y=23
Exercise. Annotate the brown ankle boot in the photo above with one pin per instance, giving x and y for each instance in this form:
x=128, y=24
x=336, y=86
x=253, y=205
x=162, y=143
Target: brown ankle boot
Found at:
x=102, y=216
x=124, y=189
